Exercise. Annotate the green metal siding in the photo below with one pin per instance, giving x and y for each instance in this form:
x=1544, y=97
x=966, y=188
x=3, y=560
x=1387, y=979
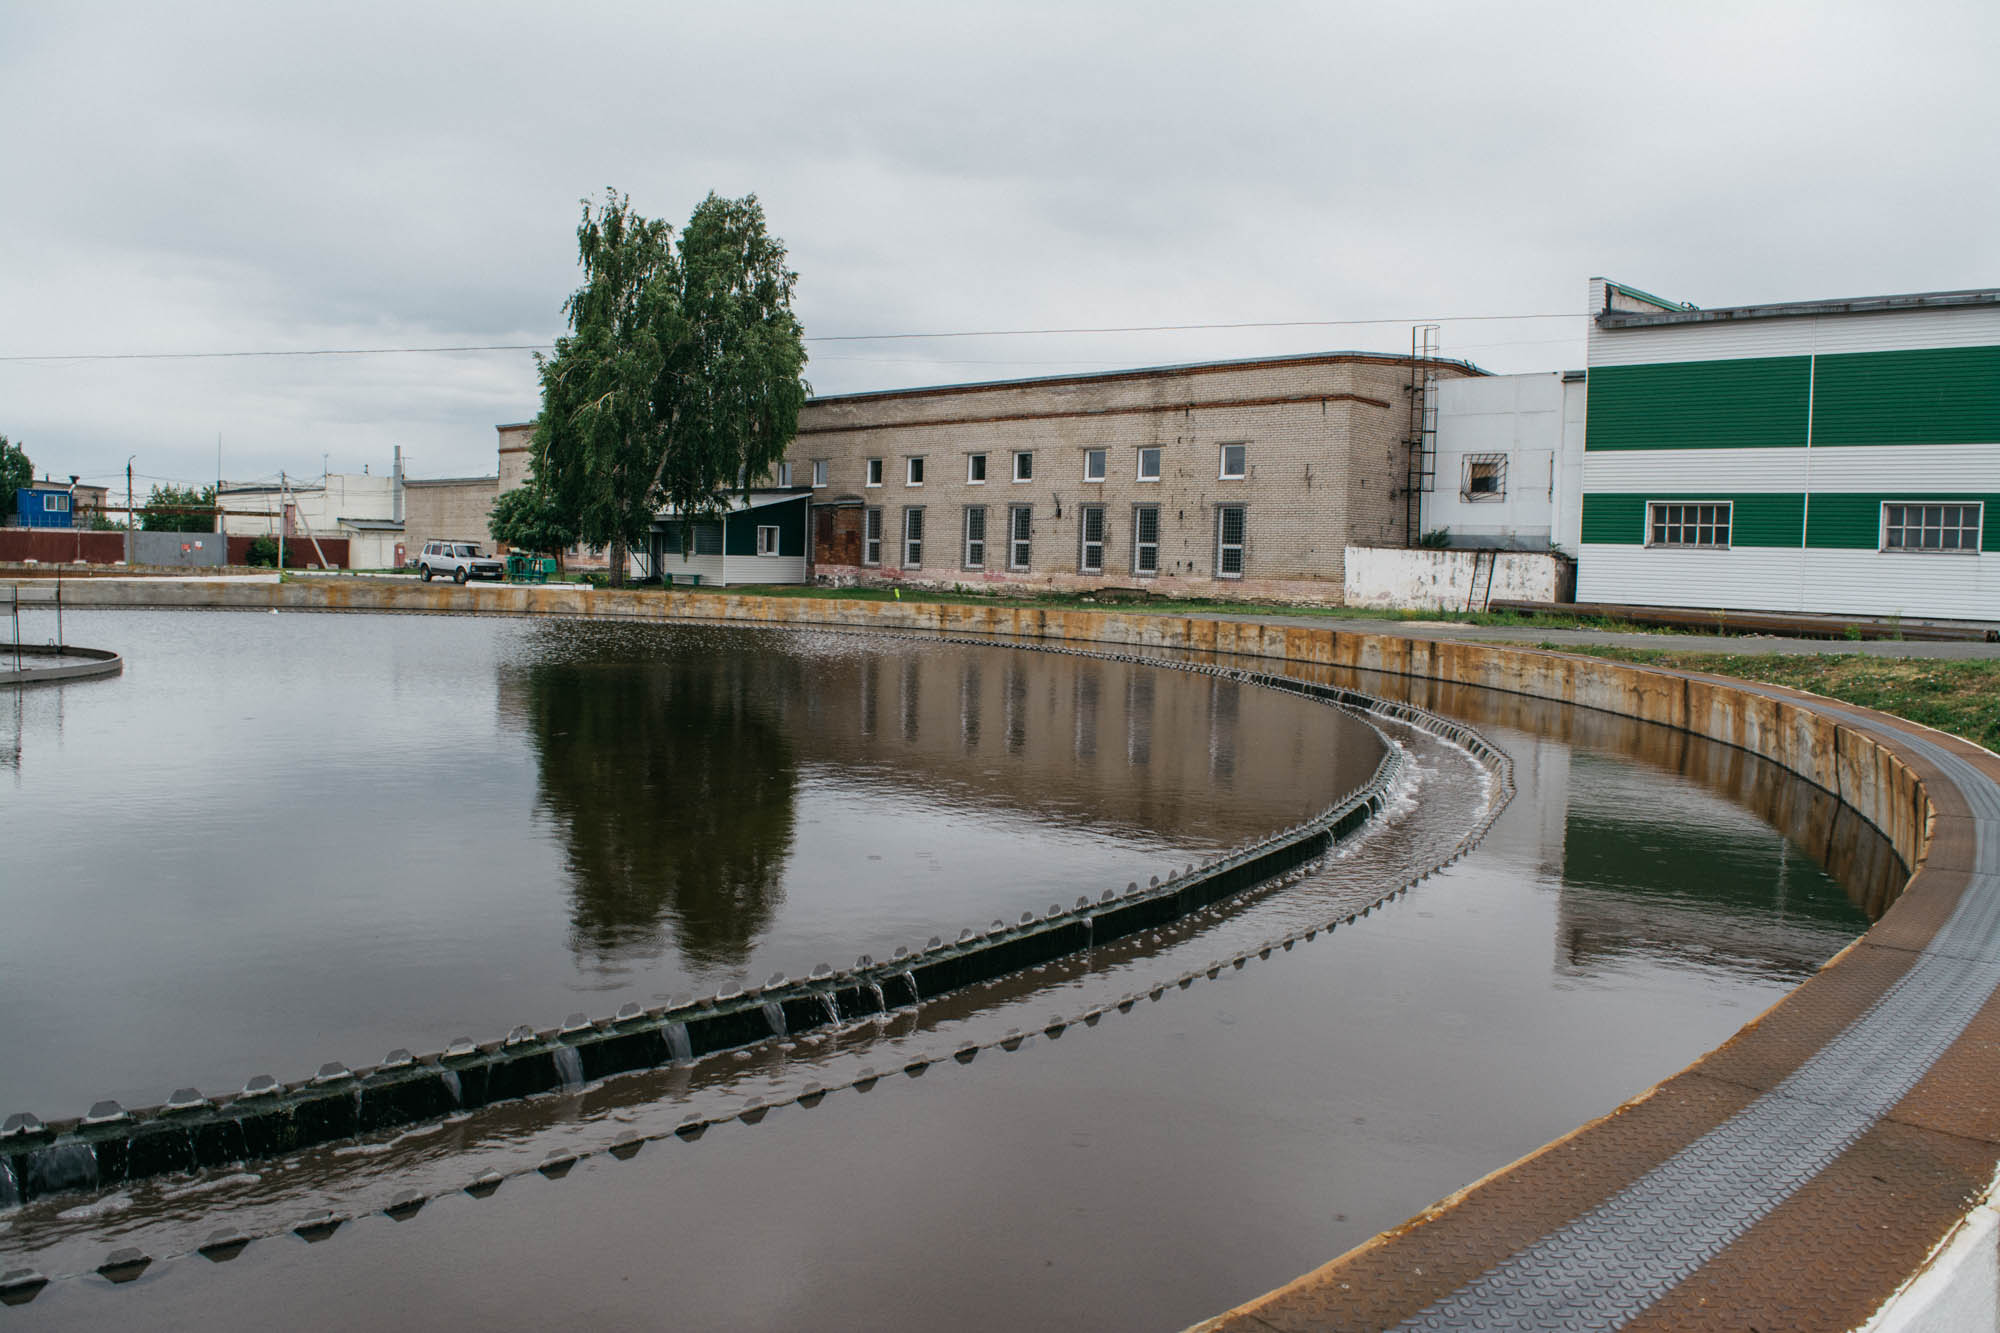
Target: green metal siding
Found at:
x=1755, y=519
x=1940, y=395
x=1854, y=522
x=1756, y=403
x=740, y=531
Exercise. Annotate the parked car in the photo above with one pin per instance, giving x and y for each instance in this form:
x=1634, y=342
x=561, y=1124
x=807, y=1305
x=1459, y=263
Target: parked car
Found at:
x=459, y=560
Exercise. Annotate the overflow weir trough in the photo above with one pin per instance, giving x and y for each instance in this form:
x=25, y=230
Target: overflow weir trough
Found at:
x=1830, y=1166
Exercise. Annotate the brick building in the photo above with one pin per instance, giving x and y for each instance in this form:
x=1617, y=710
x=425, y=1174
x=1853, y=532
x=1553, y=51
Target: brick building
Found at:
x=1237, y=478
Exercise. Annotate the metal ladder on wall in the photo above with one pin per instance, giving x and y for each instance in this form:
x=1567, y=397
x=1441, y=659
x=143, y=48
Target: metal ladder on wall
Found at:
x=1481, y=591
x=1422, y=434
x=10, y=596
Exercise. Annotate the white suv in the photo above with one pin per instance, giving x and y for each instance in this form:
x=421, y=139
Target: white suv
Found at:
x=461, y=560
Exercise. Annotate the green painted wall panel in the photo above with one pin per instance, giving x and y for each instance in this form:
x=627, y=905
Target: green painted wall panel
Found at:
x=1938, y=395
x=1613, y=518
x=740, y=533
x=1747, y=404
x=1854, y=522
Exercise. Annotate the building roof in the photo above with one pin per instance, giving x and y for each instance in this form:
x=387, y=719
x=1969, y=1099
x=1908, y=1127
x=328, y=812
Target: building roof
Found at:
x=1138, y=372
x=372, y=524
x=757, y=499
x=1858, y=305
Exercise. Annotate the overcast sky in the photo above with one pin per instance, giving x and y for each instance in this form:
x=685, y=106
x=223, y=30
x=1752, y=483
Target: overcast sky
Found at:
x=259, y=177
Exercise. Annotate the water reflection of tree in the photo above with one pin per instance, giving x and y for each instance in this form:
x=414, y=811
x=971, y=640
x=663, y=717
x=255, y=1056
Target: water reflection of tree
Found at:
x=673, y=793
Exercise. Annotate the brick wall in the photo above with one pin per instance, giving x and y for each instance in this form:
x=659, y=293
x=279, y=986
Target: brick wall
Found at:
x=1324, y=469
x=449, y=509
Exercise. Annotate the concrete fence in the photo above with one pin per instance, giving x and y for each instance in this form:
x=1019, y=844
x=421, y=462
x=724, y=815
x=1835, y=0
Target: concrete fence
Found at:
x=1435, y=580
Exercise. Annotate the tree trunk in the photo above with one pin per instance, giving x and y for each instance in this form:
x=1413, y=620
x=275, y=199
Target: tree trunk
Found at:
x=617, y=562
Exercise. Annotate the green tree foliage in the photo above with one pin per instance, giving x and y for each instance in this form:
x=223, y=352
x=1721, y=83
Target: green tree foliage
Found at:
x=680, y=375
x=179, y=509
x=527, y=519
x=15, y=472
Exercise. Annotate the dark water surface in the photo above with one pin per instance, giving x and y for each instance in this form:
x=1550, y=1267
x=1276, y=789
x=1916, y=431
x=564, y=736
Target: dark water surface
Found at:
x=1644, y=895
x=280, y=840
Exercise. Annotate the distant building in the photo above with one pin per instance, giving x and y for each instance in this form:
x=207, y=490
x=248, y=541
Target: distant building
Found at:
x=1821, y=456
x=57, y=504
x=759, y=538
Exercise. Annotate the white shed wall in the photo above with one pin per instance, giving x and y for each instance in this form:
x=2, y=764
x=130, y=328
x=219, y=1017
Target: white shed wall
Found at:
x=1521, y=417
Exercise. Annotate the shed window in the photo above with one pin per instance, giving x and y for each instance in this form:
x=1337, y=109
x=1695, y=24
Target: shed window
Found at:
x=1691, y=525
x=1484, y=477
x=767, y=539
x=1932, y=528
x=708, y=539
x=55, y=504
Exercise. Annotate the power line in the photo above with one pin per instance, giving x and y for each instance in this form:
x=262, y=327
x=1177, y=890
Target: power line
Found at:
x=822, y=338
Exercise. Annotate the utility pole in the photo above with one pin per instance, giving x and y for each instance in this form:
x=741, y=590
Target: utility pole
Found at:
x=281, y=524
x=131, y=519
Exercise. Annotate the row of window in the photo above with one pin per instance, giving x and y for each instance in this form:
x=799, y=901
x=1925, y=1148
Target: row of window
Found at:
x=1232, y=464
x=1906, y=527
x=1018, y=537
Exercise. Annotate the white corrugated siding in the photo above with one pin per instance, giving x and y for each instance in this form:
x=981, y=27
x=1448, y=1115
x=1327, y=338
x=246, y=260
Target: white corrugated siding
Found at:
x=708, y=566
x=1975, y=326
x=765, y=569
x=1676, y=471
x=1871, y=583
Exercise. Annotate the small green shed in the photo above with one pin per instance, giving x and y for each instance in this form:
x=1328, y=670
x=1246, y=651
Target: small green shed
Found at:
x=758, y=538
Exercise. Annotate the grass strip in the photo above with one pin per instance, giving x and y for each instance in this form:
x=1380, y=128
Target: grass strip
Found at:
x=1961, y=697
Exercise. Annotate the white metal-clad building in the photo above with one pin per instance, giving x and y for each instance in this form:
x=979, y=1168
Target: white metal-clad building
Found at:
x=1832, y=456
x=1509, y=462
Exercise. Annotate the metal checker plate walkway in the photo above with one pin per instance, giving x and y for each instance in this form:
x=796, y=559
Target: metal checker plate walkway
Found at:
x=1791, y=1179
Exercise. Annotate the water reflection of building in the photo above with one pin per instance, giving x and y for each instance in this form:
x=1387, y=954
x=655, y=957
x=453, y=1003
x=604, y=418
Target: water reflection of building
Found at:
x=671, y=759
x=1640, y=870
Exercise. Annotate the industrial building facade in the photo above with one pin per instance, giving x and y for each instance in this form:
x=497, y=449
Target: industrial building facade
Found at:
x=1830, y=456
x=1241, y=478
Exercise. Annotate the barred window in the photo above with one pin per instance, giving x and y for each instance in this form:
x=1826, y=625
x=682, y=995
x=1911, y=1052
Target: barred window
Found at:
x=913, y=538
x=1091, y=559
x=1700, y=525
x=975, y=536
x=871, y=535
x=1485, y=477
x=1229, y=542
x=1939, y=528
x=1020, y=519
x=1146, y=539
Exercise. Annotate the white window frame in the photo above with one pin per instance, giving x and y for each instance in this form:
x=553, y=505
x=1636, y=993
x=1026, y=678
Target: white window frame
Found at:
x=1683, y=521
x=873, y=475
x=1024, y=456
x=1101, y=458
x=1978, y=508
x=975, y=462
x=767, y=539
x=55, y=502
x=1242, y=449
x=913, y=537
x=1084, y=564
x=1158, y=461
x=1020, y=549
x=819, y=473
x=913, y=470
x=785, y=473
x=1223, y=546
x=1141, y=547
x=967, y=556
x=871, y=535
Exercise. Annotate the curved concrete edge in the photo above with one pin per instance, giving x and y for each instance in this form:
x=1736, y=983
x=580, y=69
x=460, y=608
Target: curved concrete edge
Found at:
x=1838, y=1250
x=114, y=1145
x=102, y=662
